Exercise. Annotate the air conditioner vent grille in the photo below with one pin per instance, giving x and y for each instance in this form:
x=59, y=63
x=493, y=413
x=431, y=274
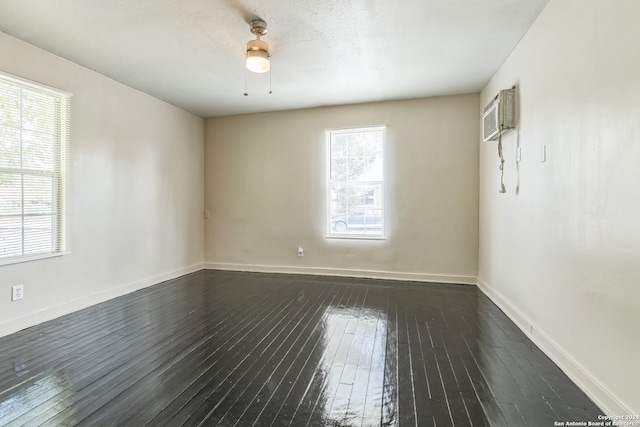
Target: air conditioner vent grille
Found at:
x=499, y=115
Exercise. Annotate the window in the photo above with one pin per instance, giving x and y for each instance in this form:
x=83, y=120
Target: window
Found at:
x=356, y=182
x=34, y=144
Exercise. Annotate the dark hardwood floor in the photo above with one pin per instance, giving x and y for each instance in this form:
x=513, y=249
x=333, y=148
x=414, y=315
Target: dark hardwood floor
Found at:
x=228, y=348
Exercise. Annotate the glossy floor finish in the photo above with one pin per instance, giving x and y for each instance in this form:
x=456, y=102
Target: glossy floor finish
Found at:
x=228, y=348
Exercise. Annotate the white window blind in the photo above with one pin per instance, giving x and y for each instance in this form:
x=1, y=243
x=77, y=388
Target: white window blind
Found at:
x=356, y=182
x=34, y=147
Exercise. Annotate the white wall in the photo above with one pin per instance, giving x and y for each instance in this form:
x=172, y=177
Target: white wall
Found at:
x=562, y=256
x=265, y=184
x=135, y=193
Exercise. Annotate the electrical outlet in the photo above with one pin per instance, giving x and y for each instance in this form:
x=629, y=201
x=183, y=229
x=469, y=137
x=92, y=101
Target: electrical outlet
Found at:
x=300, y=251
x=17, y=292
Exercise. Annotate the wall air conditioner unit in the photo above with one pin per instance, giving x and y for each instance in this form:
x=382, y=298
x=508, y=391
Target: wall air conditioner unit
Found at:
x=499, y=115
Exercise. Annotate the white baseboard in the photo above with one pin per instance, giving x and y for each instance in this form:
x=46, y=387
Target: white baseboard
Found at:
x=15, y=325
x=370, y=274
x=604, y=398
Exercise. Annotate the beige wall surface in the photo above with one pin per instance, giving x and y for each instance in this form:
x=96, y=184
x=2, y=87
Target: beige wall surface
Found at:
x=135, y=193
x=265, y=186
x=560, y=252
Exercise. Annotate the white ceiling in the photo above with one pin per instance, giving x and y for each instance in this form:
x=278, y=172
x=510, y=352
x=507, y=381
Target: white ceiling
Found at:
x=324, y=52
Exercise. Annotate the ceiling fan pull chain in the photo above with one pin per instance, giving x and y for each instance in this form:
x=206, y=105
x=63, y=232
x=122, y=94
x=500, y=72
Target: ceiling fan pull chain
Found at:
x=246, y=93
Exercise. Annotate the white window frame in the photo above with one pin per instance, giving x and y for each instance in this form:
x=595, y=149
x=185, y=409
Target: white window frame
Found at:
x=380, y=204
x=58, y=156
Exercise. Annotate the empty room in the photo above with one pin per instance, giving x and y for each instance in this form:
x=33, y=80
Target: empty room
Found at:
x=319, y=213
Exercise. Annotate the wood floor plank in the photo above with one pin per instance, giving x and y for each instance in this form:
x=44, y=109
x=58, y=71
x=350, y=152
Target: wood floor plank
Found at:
x=198, y=355
x=235, y=352
x=242, y=409
x=274, y=391
x=303, y=371
x=314, y=394
x=237, y=374
x=390, y=410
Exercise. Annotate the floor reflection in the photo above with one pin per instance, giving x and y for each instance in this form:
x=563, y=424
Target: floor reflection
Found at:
x=353, y=366
x=39, y=399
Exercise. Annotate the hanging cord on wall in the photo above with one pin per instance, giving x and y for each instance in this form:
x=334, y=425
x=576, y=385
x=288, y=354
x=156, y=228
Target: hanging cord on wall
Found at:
x=503, y=189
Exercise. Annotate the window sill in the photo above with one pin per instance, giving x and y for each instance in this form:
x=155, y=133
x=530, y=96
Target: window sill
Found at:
x=354, y=237
x=9, y=261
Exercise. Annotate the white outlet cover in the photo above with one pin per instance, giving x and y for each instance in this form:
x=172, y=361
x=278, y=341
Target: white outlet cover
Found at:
x=17, y=292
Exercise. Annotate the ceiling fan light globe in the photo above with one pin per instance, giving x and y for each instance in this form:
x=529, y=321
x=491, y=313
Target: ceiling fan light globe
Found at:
x=258, y=61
